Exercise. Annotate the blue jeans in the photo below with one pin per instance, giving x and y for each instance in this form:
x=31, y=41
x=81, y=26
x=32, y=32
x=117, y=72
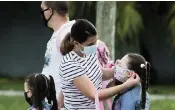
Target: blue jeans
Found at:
x=131, y=100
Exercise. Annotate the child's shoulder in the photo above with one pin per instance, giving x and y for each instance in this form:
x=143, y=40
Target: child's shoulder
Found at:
x=46, y=106
x=37, y=109
x=32, y=108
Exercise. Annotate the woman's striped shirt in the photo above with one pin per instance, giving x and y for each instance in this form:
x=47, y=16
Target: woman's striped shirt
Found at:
x=73, y=66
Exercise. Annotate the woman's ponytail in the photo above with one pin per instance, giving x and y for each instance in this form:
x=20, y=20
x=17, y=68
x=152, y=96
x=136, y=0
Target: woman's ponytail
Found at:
x=67, y=44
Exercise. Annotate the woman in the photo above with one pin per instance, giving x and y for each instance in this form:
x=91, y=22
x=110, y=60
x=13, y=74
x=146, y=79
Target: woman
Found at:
x=80, y=72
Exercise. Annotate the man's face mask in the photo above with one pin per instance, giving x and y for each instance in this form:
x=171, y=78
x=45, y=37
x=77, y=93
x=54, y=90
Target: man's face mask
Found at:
x=43, y=16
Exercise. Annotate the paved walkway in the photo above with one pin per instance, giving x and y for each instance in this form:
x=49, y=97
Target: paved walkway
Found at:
x=11, y=93
x=21, y=93
x=162, y=97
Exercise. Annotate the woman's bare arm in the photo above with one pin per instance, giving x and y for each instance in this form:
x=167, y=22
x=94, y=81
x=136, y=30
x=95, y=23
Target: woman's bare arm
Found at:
x=87, y=88
x=60, y=100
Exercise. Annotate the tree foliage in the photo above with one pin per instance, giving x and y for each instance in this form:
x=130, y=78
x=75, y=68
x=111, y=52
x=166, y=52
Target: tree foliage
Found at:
x=171, y=22
x=129, y=21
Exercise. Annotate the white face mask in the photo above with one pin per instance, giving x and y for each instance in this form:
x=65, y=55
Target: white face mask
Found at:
x=90, y=49
x=122, y=74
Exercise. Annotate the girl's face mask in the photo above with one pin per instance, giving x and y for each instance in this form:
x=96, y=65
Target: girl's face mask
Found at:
x=27, y=94
x=122, y=74
x=28, y=99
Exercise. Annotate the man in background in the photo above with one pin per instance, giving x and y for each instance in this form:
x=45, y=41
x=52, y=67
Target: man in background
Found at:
x=55, y=16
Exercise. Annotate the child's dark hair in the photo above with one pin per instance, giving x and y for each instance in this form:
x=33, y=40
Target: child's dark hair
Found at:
x=42, y=87
x=135, y=61
x=81, y=30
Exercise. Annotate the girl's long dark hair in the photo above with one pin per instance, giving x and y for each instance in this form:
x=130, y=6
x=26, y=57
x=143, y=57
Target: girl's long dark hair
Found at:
x=42, y=87
x=51, y=96
x=135, y=61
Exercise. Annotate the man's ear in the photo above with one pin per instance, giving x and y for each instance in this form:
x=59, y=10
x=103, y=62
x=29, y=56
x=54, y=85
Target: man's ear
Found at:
x=51, y=11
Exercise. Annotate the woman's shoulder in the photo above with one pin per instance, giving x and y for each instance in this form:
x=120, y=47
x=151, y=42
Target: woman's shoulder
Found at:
x=67, y=58
x=68, y=62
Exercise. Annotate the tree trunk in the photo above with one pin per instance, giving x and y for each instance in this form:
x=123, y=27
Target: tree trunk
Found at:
x=105, y=23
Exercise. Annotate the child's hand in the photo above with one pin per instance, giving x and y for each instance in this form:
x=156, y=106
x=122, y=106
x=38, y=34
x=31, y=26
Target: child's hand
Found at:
x=132, y=81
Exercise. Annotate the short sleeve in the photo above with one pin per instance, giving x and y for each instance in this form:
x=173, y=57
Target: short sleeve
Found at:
x=72, y=70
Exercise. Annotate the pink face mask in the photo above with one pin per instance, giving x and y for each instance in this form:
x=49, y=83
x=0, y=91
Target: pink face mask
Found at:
x=122, y=74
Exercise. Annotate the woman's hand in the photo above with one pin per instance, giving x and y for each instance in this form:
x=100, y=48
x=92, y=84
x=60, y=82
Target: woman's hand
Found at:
x=132, y=81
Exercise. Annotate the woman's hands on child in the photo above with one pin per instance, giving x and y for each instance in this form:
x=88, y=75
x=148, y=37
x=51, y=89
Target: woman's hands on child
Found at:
x=132, y=81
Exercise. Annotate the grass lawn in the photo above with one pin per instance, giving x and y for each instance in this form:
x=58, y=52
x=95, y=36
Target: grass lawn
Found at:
x=163, y=105
x=13, y=103
x=162, y=89
x=7, y=84
x=18, y=103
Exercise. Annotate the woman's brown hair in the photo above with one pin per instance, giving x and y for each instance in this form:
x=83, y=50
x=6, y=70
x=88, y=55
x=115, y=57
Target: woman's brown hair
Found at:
x=81, y=30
